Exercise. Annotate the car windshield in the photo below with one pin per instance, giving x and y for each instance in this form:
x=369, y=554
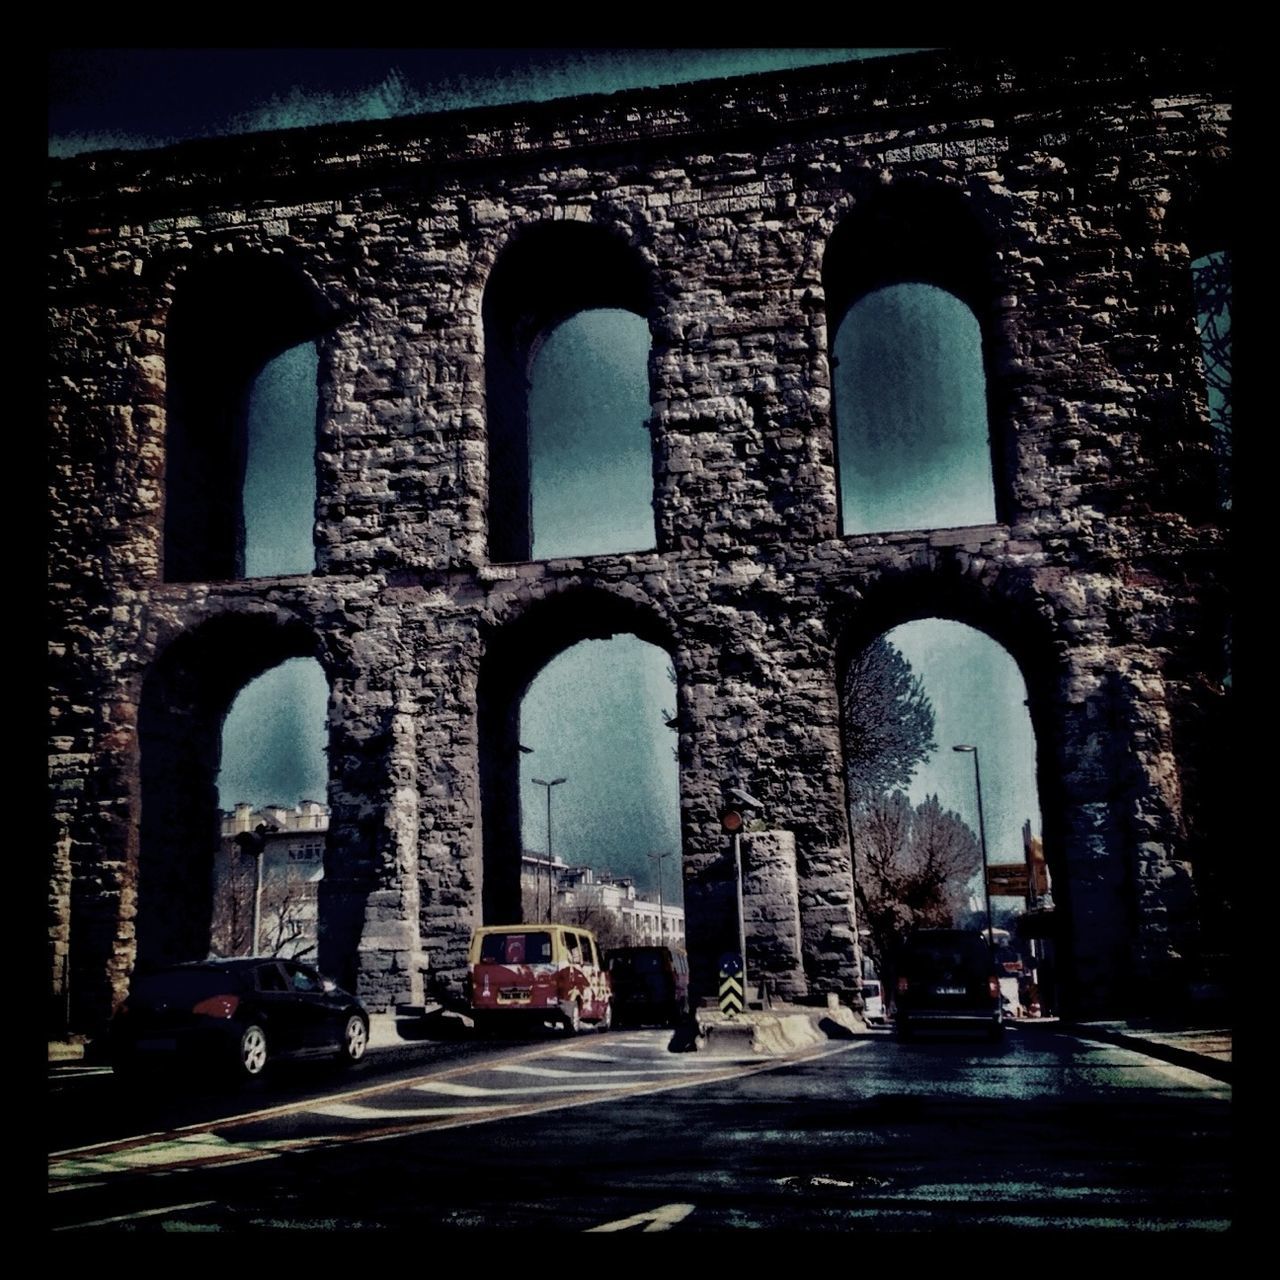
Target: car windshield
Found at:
x=185, y=984
x=516, y=948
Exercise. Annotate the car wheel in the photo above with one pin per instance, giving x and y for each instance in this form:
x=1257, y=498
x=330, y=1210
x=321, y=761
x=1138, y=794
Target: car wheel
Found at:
x=606, y=1020
x=252, y=1057
x=355, y=1040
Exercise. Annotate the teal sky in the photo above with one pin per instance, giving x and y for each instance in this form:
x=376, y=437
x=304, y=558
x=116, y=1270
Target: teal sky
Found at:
x=979, y=699
x=591, y=458
x=594, y=716
x=911, y=413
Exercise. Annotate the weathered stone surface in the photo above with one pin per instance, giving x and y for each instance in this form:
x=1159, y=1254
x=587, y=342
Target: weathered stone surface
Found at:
x=1102, y=576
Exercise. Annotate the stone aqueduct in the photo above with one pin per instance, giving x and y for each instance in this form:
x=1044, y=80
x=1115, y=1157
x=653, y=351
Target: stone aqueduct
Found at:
x=1061, y=197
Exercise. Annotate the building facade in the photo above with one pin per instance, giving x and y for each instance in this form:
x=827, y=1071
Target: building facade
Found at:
x=607, y=904
x=291, y=853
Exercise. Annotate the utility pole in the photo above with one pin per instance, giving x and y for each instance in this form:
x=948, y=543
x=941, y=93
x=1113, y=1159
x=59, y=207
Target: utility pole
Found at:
x=658, y=857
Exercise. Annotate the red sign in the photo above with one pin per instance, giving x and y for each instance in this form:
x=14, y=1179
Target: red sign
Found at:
x=731, y=820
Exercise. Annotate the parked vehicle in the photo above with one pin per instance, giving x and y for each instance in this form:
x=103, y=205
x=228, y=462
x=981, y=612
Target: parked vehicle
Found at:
x=236, y=1015
x=872, y=1002
x=947, y=978
x=650, y=984
x=534, y=973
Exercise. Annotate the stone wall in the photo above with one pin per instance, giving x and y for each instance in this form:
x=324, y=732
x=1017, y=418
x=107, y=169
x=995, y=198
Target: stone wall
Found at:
x=1090, y=177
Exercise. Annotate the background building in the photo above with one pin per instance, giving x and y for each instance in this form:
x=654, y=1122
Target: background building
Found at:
x=292, y=868
x=608, y=905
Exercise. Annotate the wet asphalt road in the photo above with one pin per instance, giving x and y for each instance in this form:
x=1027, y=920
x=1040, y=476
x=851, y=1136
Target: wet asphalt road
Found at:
x=611, y=1133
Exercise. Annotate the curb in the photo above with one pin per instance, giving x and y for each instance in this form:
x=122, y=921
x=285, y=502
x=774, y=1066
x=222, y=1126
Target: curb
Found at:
x=1188, y=1058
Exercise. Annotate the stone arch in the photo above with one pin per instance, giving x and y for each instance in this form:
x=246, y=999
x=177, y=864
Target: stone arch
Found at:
x=910, y=237
x=516, y=649
x=545, y=273
x=184, y=700
x=1011, y=612
x=232, y=314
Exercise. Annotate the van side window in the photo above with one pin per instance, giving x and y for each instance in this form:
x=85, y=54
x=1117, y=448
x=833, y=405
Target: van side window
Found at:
x=572, y=948
x=589, y=956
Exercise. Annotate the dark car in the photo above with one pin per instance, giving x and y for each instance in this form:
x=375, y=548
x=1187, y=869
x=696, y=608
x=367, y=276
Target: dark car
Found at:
x=236, y=1015
x=650, y=984
x=947, y=978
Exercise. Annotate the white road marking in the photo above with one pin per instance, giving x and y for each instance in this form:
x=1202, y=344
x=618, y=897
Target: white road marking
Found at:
x=196, y=1144
x=663, y=1218
x=142, y=1213
x=621, y=1073
x=589, y=1057
x=361, y=1111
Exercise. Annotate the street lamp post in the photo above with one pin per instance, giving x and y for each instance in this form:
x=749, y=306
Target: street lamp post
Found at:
x=658, y=857
x=982, y=837
x=555, y=782
x=254, y=843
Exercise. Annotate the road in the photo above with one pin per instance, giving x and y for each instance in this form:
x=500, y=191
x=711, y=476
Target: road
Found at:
x=612, y=1133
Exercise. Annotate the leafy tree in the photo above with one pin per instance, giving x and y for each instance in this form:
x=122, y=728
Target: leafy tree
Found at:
x=888, y=722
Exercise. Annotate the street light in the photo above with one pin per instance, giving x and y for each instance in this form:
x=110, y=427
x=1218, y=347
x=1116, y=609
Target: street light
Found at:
x=982, y=838
x=254, y=843
x=555, y=782
x=658, y=857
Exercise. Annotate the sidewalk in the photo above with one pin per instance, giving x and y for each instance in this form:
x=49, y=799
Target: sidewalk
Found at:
x=1203, y=1049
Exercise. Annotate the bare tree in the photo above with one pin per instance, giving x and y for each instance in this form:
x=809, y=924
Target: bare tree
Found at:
x=912, y=864
x=286, y=928
x=232, y=922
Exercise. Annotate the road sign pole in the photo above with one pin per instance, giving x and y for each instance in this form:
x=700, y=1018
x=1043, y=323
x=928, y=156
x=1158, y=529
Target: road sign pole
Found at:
x=742, y=924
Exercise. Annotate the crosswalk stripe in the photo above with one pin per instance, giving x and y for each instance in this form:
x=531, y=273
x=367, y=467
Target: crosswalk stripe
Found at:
x=362, y=1111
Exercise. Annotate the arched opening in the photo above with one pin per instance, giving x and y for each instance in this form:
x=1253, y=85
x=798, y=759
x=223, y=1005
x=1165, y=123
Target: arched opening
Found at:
x=566, y=377
x=590, y=457
x=908, y=278
x=577, y=704
x=944, y=807
x=242, y=404
x=185, y=704
x=274, y=821
x=910, y=404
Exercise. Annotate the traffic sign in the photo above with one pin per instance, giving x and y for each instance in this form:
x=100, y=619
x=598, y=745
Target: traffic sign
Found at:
x=1008, y=880
x=732, y=1002
x=731, y=821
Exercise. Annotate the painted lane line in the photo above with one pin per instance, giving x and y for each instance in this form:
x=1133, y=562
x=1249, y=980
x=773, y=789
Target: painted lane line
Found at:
x=454, y=1090
x=622, y=1073
x=586, y=1086
x=590, y=1057
x=166, y=1156
x=662, y=1218
x=142, y=1213
x=360, y=1111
